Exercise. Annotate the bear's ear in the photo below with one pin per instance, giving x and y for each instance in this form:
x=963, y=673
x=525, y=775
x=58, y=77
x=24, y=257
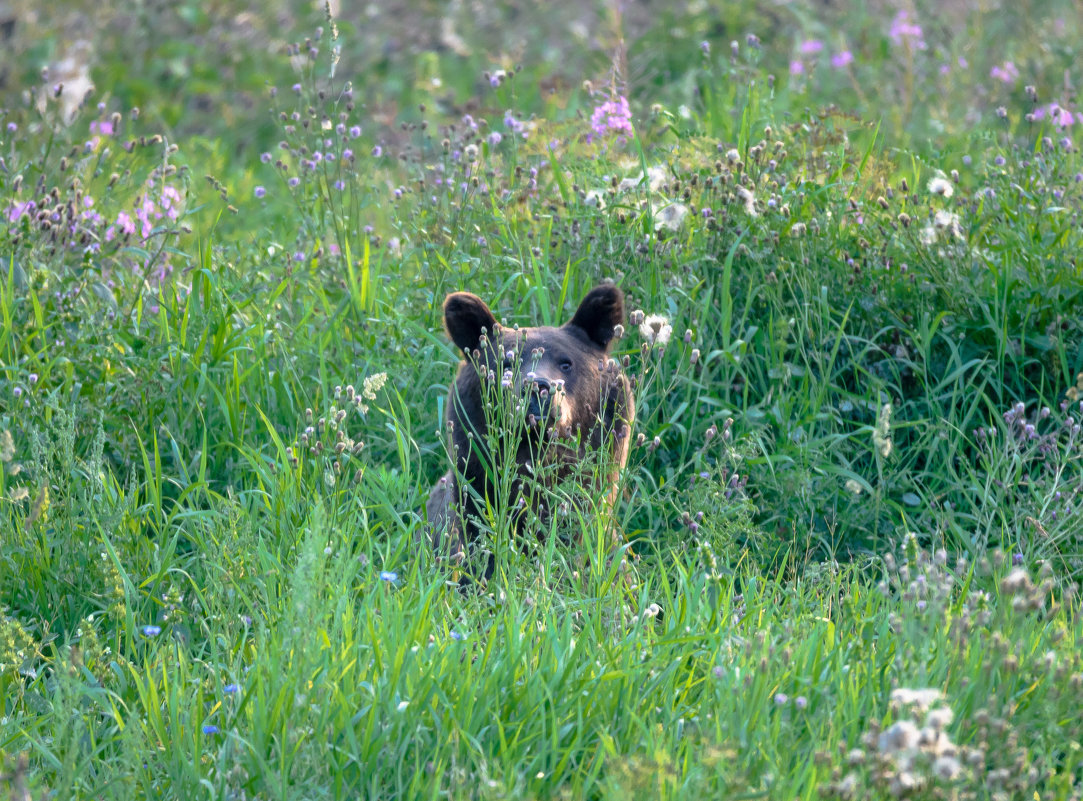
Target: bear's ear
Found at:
x=464, y=317
x=601, y=311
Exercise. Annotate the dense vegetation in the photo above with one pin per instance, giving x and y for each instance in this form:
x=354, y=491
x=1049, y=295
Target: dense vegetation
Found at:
x=851, y=518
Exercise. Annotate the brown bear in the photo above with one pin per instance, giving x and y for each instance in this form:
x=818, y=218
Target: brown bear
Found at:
x=530, y=409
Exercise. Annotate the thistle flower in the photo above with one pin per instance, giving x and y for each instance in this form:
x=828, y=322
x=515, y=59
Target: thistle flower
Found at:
x=939, y=185
x=656, y=330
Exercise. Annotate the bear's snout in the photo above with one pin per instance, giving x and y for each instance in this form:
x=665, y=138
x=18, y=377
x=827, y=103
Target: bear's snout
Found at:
x=541, y=397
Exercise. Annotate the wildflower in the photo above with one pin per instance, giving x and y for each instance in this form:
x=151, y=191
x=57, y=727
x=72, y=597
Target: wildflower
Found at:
x=293, y=182
x=881, y=435
x=903, y=31
x=854, y=486
x=231, y=689
x=811, y=46
x=781, y=698
x=210, y=728
x=947, y=768
x=377, y=151
x=612, y=116
x=297, y=88
x=939, y=185
x=748, y=200
x=842, y=59
x=390, y=576
x=151, y=631
x=948, y=222
x=1007, y=73
x=800, y=702
x=458, y=636
x=670, y=217
x=938, y=719
x=921, y=699
x=259, y=191
x=656, y=330
x=796, y=67
x=901, y=736
x=373, y=384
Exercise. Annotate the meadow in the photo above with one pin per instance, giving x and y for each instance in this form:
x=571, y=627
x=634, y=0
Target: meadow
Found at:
x=851, y=530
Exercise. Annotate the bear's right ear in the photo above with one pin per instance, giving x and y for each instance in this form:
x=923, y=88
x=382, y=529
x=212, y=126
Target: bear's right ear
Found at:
x=465, y=315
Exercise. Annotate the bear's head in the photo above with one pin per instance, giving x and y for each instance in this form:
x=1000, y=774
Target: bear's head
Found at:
x=558, y=373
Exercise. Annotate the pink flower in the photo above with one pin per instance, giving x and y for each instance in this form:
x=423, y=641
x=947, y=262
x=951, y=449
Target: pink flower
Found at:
x=903, y=31
x=1058, y=115
x=842, y=59
x=796, y=67
x=1007, y=73
x=811, y=46
x=612, y=116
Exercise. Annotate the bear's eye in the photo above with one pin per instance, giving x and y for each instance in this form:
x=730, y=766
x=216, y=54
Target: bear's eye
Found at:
x=566, y=366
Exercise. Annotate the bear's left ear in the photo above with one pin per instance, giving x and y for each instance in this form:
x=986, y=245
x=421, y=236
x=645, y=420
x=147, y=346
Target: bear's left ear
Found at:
x=601, y=311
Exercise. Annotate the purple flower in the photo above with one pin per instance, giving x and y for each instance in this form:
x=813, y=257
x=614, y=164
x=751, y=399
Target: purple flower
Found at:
x=811, y=46
x=265, y=158
x=151, y=631
x=390, y=576
x=103, y=127
x=210, y=728
x=796, y=67
x=1017, y=559
x=12, y=127
x=1007, y=73
x=781, y=698
x=259, y=191
x=355, y=131
x=299, y=256
x=231, y=689
x=903, y=31
x=494, y=81
x=705, y=46
x=612, y=116
x=340, y=185
x=495, y=138
x=842, y=59
x=377, y=151
x=293, y=181
x=17, y=210
x=297, y=88
x=458, y=636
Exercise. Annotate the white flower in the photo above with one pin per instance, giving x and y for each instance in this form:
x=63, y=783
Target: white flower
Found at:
x=595, y=198
x=948, y=222
x=656, y=330
x=938, y=719
x=940, y=185
x=947, y=768
x=747, y=199
x=670, y=217
x=922, y=699
x=373, y=384
x=901, y=736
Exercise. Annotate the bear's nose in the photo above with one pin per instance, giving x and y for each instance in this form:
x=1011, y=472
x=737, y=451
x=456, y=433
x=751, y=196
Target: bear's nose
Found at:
x=541, y=385
x=539, y=395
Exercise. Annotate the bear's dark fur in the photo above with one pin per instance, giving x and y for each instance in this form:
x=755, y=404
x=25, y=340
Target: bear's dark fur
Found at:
x=565, y=402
